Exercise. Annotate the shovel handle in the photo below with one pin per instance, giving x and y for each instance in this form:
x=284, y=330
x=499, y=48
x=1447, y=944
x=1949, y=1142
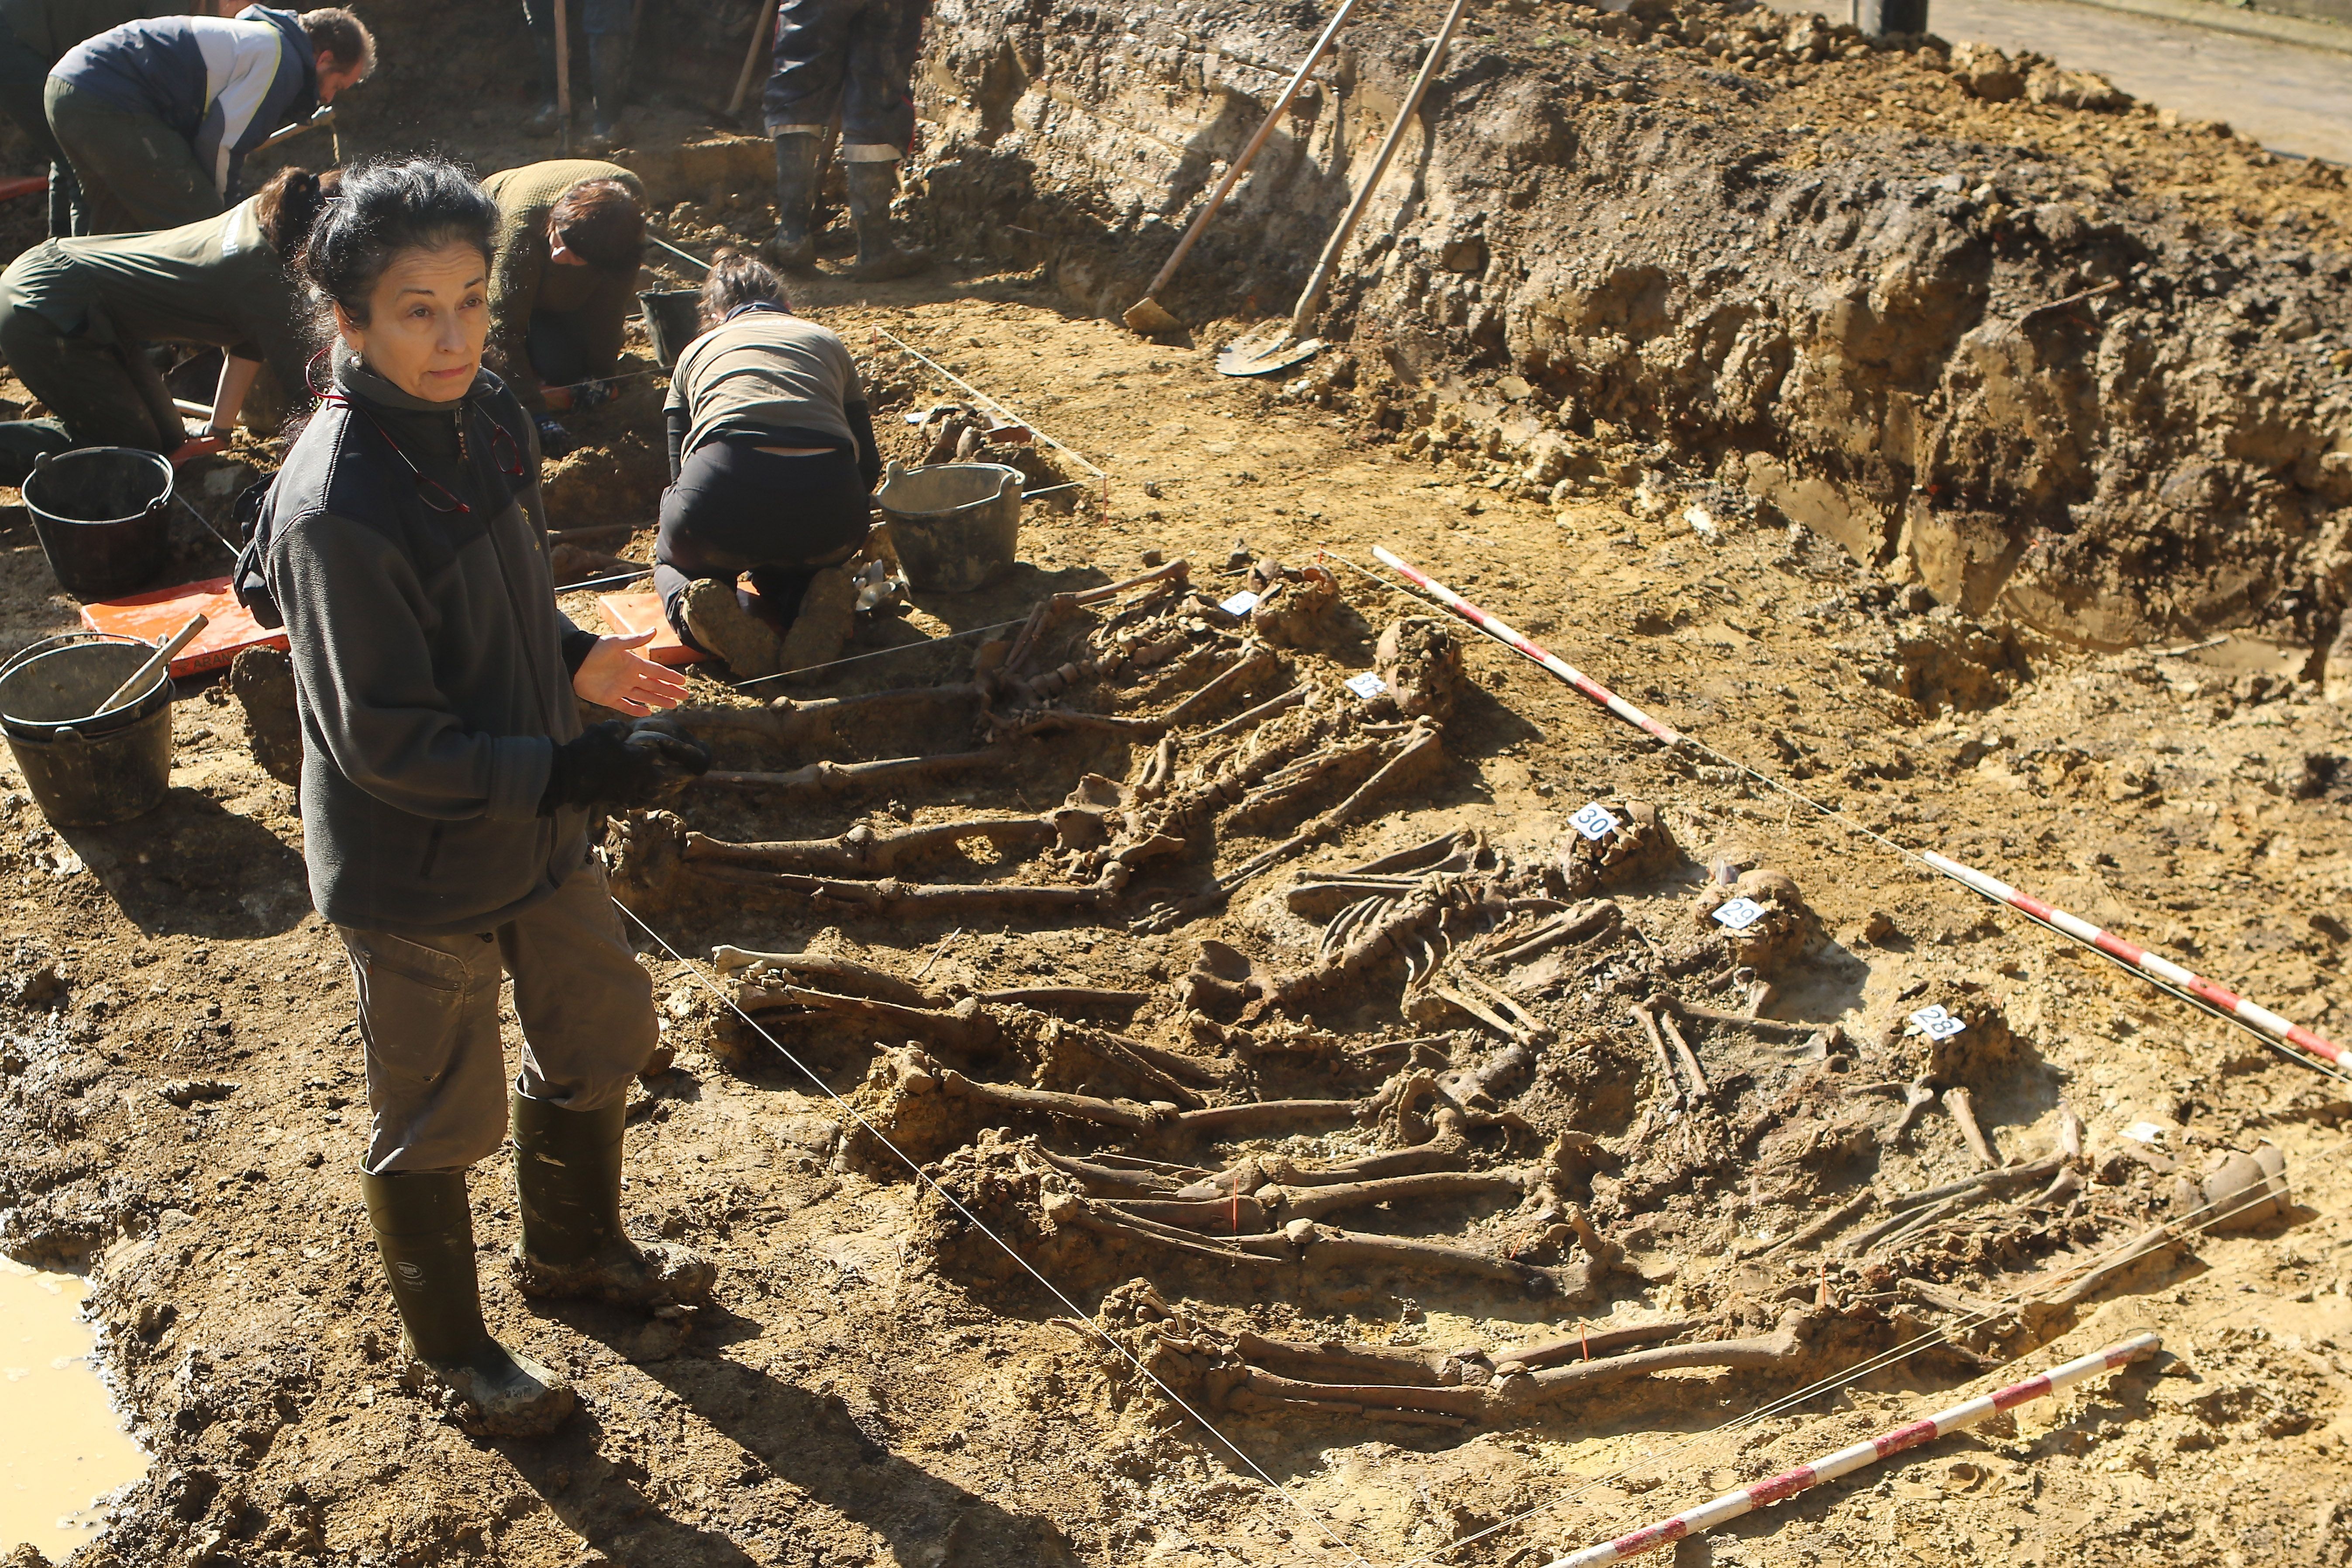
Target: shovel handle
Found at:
x=1311, y=300
x=1240, y=165
x=759, y=35
x=160, y=657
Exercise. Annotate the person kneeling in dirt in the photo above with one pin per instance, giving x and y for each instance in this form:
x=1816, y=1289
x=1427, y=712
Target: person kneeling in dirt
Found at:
x=570, y=232
x=446, y=786
x=773, y=466
x=77, y=315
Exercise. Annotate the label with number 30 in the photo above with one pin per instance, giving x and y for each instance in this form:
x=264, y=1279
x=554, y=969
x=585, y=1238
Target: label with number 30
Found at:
x=1593, y=821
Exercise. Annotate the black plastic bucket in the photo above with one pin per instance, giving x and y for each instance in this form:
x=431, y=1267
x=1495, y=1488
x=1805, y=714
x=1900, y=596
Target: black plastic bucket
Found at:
x=87, y=769
x=103, y=516
x=673, y=319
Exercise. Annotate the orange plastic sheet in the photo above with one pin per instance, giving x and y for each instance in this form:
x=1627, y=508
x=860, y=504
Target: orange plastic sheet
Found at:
x=155, y=614
x=627, y=615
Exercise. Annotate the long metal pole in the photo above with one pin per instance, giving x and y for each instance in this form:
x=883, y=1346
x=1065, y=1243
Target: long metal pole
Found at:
x=1845, y=1461
x=2222, y=999
x=1509, y=637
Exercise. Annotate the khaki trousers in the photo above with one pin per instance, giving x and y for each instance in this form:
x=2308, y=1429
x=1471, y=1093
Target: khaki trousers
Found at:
x=437, y=1074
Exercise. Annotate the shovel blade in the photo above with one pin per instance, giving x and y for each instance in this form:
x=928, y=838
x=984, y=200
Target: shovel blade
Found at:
x=1146, y=319
x=1263, y=356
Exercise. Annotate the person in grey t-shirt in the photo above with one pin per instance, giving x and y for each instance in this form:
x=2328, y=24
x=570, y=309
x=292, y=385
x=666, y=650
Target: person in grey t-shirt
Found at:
x=773, y=466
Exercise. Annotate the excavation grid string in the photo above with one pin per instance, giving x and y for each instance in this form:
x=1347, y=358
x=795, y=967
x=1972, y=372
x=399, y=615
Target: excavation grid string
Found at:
x=1845, y=820
x=1078, y=1315
x=1006, y=409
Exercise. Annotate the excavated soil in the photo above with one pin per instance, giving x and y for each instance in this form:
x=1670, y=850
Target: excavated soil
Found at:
x=1556, y=420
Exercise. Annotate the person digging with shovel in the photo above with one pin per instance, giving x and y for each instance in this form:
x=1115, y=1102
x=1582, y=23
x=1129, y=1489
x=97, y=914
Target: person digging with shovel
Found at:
x=446, y=790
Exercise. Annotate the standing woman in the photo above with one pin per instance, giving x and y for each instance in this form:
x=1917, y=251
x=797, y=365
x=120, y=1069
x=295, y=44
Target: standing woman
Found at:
x=447, y=783
x=771, y=462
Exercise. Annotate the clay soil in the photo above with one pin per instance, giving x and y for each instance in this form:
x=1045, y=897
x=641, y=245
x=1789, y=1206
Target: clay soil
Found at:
x=180, y=1107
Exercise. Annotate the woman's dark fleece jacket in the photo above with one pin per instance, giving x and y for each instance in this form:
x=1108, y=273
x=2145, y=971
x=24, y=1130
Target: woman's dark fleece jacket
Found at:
x=433, y=666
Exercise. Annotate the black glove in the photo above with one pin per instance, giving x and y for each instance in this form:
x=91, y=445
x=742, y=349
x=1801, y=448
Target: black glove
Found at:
x=613, y=765
x=555, y=440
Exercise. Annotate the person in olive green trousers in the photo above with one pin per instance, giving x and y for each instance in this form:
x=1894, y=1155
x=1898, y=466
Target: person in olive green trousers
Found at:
x=77, y=315
x=571, y=233
x=33, y=34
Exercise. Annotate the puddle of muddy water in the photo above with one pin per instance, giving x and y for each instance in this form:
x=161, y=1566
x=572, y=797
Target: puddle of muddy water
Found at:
x=61, y=1445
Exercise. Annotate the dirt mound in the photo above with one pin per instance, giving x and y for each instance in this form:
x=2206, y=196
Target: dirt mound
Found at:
x=1986, y=323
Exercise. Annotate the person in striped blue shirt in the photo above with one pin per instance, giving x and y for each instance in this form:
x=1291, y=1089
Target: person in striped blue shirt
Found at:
x=157, y=116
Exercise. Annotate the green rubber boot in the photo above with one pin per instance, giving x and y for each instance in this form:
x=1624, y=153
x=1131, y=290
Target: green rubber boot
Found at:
x=793, y=245
x=425, y=1234
x=871, y=186
x=568, y=1175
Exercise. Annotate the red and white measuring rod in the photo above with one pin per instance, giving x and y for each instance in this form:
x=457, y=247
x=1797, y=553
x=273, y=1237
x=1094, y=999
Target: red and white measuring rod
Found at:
x=2236, y=1006
x=1731, y=1505
x=1503, y=632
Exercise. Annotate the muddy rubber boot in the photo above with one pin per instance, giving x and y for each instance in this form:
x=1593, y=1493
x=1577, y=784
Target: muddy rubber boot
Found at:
x=568, y=1175
x=871, y=186
x=425, y=1234
x=793, y=245
x=550, y=111
x=608, y=75
x=724, y=627
x=823, y=624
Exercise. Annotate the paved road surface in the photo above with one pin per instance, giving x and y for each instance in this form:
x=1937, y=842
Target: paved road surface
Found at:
x=2290, y=99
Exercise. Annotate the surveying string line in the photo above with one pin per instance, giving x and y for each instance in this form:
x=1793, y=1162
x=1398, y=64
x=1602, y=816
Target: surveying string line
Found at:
x=206, y=522
x=1079, y=1313
x=877, y=653
x=2125, y=1251
x=1006, y=409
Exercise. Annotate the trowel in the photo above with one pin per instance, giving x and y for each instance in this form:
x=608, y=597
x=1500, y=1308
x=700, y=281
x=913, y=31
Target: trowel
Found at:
x=1270, y=350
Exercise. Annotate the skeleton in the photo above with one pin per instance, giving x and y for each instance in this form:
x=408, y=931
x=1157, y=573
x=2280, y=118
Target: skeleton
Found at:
x=1420, y=663
x=1446, y=1387
x=1636, y=846
x=1777, y=936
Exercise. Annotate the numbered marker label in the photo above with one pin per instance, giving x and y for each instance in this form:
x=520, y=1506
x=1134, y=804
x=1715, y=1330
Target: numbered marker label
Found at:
x=1738, y=914
x=1366, y=685
x=1936, y=1024
x=1240, y=603
x=2145, y=1132
x=1593, y=821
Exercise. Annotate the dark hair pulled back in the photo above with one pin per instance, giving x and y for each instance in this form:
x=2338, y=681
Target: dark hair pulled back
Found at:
x=385, y=208
x=736, y=280
x=289, y=204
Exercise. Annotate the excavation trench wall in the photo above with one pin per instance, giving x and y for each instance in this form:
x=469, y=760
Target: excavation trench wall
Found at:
x=1839, y=319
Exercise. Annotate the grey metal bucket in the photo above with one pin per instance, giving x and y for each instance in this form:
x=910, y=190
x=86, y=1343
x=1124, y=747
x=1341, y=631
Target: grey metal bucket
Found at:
x=673, y=319
x=86, y=769
x=956, y=526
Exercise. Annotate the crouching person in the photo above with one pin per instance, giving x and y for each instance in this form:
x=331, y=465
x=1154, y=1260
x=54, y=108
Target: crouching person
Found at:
x=447, y=788
x=772, y=466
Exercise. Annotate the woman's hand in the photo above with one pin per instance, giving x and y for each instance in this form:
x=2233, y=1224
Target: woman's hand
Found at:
x=202, y=444
x=613, y=676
